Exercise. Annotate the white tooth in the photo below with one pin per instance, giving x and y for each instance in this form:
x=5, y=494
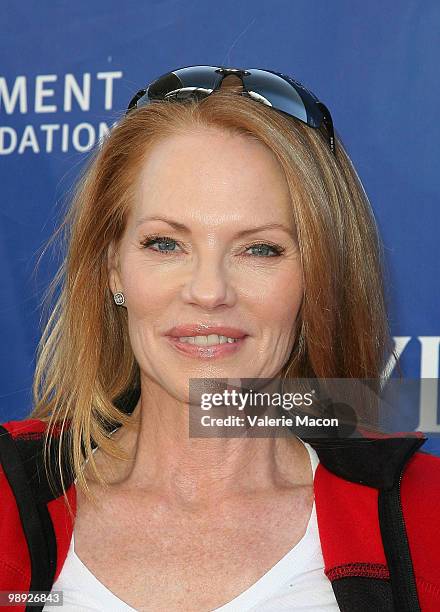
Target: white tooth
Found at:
x=200, y=340
x=210, y=340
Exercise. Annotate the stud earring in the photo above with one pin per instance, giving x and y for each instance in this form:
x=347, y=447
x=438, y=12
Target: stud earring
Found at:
x=119, y=298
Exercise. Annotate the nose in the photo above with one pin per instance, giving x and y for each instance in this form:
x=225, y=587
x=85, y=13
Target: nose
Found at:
x=209, y=285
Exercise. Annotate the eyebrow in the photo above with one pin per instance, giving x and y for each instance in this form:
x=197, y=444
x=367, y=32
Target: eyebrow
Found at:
x=183, y=228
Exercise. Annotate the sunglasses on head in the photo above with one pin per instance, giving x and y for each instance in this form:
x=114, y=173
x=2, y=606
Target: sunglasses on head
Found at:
x=274, y=89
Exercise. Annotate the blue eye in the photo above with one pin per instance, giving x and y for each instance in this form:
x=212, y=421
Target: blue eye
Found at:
x=160, y=240
x=275, y=250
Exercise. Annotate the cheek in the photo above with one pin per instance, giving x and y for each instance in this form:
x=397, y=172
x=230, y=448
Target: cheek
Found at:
x=279, y=298
x=146, y=289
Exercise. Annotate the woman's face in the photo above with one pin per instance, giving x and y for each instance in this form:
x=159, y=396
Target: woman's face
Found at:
x=196, y=252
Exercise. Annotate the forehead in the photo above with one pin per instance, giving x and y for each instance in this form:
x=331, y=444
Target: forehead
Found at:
x=212, y=172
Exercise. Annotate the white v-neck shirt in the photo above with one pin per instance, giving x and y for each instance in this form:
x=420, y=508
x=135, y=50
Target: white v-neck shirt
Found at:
x=296, y=582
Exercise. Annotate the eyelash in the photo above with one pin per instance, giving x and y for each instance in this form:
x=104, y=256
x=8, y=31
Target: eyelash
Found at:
x=149, y=240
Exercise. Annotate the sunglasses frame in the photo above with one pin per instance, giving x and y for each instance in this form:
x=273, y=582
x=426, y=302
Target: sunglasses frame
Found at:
x=316, y=112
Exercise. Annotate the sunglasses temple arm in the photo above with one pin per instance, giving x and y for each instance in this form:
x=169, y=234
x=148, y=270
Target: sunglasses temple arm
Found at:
x=328, y=121
x=134, y=100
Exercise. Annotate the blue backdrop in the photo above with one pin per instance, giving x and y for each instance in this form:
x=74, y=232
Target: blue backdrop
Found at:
x=68, y=70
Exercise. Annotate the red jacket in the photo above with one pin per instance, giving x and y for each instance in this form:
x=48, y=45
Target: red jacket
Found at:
x=377, y=504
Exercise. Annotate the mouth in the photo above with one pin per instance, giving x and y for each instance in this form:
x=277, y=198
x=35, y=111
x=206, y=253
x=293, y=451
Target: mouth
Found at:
x=207, y=346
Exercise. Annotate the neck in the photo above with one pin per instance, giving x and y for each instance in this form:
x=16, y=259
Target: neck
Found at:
x=198, y=471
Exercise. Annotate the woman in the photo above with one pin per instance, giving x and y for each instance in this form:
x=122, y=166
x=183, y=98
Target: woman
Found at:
x=213, y=237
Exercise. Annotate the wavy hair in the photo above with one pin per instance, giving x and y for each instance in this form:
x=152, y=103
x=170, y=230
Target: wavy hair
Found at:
x=84, y=359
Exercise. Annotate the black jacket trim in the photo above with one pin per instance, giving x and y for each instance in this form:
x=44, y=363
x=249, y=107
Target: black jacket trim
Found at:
x=376, y=463
x=363, y=595
x=396, y=547
x=36, y=521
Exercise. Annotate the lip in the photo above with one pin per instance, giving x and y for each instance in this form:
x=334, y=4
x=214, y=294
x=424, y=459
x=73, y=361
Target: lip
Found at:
x=206, y=352
x=206, y=329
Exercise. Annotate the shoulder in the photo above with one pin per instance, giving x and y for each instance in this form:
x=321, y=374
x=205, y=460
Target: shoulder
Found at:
x=13, y=544
x=30, y=507
x=18, y=442
x=420, y=494
x=422, y=477
x=23, y=456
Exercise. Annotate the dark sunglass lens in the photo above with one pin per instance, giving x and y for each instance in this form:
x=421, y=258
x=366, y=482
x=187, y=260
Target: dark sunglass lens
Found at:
x=278, y=92
x=205, y=77
x=181, y=84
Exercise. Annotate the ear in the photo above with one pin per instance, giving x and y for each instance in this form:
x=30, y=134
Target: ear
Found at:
x=114, y=279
